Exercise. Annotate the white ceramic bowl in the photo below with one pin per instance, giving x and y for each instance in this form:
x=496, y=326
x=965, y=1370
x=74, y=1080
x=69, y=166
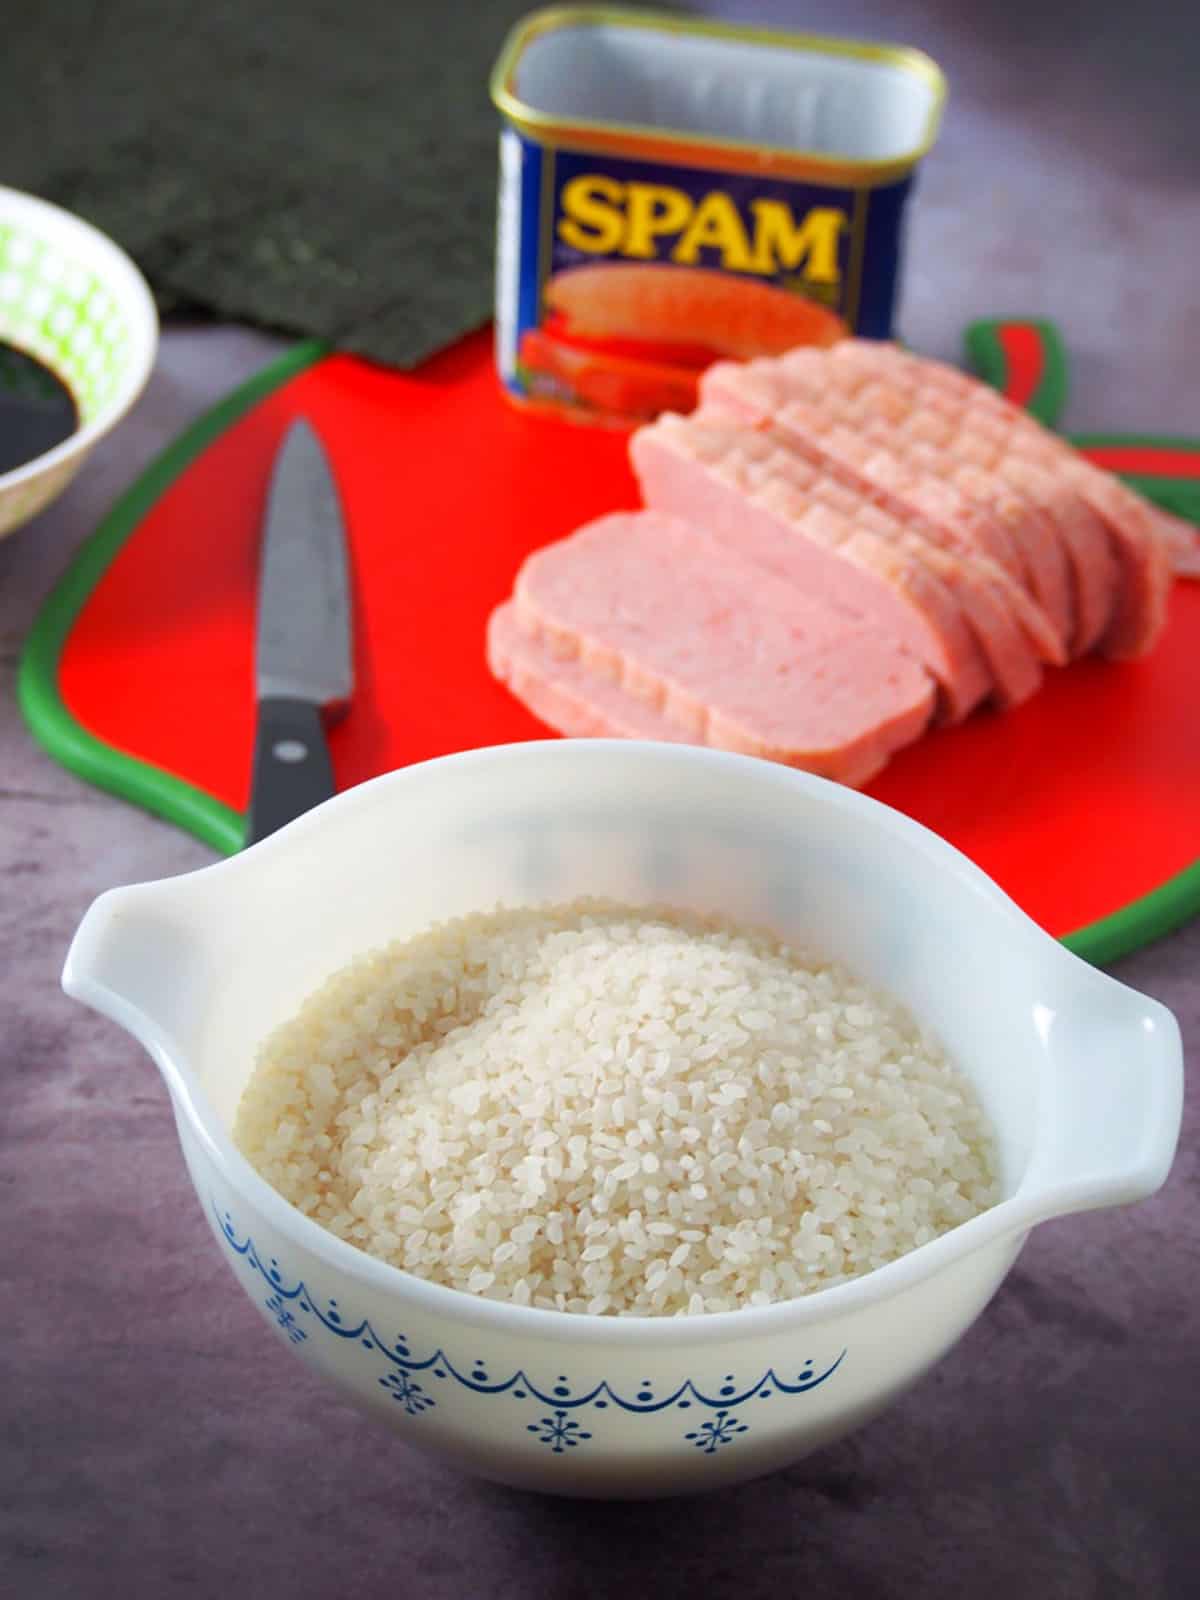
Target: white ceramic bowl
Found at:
x=1082, y=1078
x=71, y=298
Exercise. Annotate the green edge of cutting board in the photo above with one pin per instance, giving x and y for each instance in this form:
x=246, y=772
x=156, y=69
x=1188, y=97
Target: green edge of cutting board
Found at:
x=42, y=705
x=218, y=825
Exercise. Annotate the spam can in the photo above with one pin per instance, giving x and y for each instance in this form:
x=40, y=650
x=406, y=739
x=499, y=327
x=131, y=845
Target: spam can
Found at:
x=674, y=190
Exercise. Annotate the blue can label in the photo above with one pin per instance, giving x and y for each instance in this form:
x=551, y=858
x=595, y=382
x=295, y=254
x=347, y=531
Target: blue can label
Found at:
x=763, y=263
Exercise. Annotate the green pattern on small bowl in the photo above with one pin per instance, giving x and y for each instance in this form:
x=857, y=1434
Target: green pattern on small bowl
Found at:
x=73, y=300
x=59, y=310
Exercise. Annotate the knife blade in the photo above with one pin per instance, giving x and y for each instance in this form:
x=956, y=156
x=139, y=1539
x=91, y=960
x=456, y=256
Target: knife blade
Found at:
x=304, y=672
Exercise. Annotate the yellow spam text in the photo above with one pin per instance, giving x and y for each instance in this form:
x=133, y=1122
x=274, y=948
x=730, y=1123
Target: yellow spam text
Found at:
x=648, y=221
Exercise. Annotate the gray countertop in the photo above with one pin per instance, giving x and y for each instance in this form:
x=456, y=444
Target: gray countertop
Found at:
x=151, y=1444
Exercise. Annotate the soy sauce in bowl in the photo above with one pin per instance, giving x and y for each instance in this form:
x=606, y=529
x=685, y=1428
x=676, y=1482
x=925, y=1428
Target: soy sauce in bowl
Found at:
x=37, y=409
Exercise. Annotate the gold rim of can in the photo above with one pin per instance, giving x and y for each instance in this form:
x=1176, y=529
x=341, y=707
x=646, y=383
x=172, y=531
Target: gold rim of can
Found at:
x=661, y=143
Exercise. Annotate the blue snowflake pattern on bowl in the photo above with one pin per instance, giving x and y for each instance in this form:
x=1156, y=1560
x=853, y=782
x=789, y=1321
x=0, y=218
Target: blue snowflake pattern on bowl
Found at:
x=718, y=1430
x=554, y=1423
x=409, y=1393
x=284, y=1318
x=560, y=1431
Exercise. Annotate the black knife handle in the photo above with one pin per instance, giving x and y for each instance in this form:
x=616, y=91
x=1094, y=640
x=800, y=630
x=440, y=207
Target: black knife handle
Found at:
x=292, y=770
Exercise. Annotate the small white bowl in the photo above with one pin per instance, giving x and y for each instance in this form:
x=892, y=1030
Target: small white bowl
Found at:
x=1081, y=1076
x=72, y=299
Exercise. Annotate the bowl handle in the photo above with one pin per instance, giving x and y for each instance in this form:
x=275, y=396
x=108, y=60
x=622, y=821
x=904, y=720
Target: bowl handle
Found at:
x=1112, y=1102
x=135, y=960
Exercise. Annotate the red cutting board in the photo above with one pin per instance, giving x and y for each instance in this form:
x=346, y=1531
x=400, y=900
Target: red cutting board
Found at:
x=1084, y=804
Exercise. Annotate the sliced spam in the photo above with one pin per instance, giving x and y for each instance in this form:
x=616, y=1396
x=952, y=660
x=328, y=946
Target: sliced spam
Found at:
x=840, y=546
x=761, y=392
x=979, y=506
x=754, y=494
x=981, y=589
x=1094, y=568
x=644, y=623
x=1143, y=539
x=1120, y=548
x=858, y=430
x=564, y=693
x=567, y=696
x=967, y=423
x=888, y=479
x=1009, y=632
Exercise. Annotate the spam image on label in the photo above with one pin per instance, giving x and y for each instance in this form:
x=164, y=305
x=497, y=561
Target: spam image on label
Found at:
x=673, y=191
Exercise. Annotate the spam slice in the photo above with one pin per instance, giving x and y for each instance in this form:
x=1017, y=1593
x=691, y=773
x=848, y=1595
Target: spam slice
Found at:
x=1142, y=539
x=1142, y=551
x=712, y=478
x=857, y=435
x=1093, y=566
x=563, y=692
x=887, y=417
x=906, y=492
x=968, y=425
x=982, y=591
x=1137, y=544
x=954, y=426
x=760, y=391
x=566, y=696
x=715, y=649
x=790, y=497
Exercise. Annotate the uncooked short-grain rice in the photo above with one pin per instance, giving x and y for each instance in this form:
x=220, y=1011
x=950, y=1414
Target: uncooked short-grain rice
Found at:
x=599, y=1109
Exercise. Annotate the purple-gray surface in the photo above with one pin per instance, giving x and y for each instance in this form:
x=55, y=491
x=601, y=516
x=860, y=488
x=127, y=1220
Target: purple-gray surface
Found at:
x=154, y=1443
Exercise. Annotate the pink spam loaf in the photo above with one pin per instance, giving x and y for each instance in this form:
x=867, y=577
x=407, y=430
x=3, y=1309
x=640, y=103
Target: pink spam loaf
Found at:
x=840, y=546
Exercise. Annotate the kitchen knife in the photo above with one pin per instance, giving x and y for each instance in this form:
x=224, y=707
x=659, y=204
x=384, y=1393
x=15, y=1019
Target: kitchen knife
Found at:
x=304, y=674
